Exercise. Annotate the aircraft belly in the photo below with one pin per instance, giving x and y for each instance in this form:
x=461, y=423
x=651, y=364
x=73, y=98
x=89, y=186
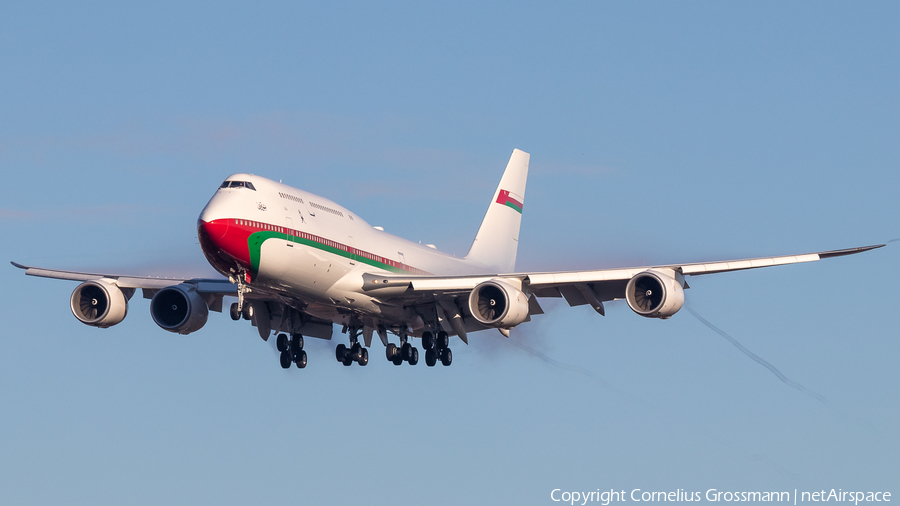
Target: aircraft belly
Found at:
x=329, y=282
x=295, y=267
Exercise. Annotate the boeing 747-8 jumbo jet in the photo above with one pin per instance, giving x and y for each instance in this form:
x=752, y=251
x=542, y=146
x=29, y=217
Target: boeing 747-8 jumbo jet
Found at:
x=298, y=264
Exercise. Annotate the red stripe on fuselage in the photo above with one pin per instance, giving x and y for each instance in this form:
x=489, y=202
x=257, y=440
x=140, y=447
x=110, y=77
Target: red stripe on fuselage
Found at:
x=231, y=237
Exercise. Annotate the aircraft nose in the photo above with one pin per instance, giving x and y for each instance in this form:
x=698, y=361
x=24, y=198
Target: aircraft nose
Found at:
x=215, y=230
x=223, y=242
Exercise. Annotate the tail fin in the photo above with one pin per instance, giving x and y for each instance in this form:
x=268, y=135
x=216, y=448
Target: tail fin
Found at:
x=497, y=240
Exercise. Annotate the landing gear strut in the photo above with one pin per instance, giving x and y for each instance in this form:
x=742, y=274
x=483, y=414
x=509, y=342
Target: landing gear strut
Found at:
x=355, y=353
x=436, y=348
x=406, y=352
x=291, y=350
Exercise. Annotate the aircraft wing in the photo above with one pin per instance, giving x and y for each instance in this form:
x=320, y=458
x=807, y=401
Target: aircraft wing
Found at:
x=147, y=283
x=579, y=287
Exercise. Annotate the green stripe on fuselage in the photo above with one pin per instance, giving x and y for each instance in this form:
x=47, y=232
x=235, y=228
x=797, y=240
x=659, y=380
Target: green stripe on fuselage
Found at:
x=255, y=241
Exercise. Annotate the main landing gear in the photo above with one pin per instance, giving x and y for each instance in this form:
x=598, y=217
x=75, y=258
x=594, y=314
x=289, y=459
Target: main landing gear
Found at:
x=355, y=353
x=403, y=353
x=291, y=350
x=406, y=352
x=437, y=348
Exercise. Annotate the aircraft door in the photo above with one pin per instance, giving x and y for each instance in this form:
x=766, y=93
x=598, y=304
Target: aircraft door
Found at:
x=352, y=247
x=289, y=224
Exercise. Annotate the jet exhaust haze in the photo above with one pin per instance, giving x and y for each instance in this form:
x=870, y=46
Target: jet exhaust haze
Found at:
x=554, y=363
x=787, y=381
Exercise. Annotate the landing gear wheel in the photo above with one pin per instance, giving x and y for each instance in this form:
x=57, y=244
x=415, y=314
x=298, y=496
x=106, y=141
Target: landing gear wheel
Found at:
x=397, y=360
x=281, y=342
x=285, y=360
x=340, y=353
x=414, y=356
x=247, y=313
x=363, y=357
x=406, y=351
x=446, y=356
x=297, y=342
x=301, y=359
x=427, y=340
x=235, y=314
x=443, y=340
x=390, y=352
x=430, y=358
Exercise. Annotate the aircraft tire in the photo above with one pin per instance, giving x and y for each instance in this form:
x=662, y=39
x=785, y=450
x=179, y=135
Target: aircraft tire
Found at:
x=390, y=351
x=235, y=314
x=285, y=360
x=363, y=357
x=427, y=340
x=443, y=340
x=406, y=351
x=414, y=356
x=446, y=356
x=430, y=358
x=281, y=342
x=340, y=353
x=301, y=359
x=397, y=360
x=297, y=341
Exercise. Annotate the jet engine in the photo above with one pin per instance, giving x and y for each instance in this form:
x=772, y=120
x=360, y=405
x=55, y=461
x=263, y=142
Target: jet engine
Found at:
x=99, y=303
x=179, y=309
x=496, y=303
x=654, y=294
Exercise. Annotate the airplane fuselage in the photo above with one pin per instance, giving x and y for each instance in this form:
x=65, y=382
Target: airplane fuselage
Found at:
x=283, y=240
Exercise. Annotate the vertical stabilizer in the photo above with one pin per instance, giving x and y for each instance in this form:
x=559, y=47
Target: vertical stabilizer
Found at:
x=497, y=240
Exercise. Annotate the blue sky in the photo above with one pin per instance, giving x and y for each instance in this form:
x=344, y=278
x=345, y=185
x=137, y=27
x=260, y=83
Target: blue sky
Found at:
x=659, y=133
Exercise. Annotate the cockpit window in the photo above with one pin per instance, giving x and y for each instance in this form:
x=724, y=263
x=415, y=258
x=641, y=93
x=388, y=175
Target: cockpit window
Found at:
x=238, y=184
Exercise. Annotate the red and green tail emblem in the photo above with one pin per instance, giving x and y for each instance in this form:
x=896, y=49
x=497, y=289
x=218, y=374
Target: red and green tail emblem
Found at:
x=507, y=200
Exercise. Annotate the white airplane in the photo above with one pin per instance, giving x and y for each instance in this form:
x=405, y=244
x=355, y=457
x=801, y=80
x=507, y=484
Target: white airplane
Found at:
x=299, y=263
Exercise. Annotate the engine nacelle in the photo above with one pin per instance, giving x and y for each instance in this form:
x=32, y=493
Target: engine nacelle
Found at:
x=179, y=309
x=99, y=303
x=654, y=294
x=496, y=303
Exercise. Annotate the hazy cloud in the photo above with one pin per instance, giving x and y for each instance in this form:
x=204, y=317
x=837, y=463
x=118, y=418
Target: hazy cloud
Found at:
x=107, y=212
x=552, y=168
x=14, y=214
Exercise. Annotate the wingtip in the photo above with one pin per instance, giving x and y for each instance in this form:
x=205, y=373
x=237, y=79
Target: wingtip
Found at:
x=849, y=251
x=20, y=266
